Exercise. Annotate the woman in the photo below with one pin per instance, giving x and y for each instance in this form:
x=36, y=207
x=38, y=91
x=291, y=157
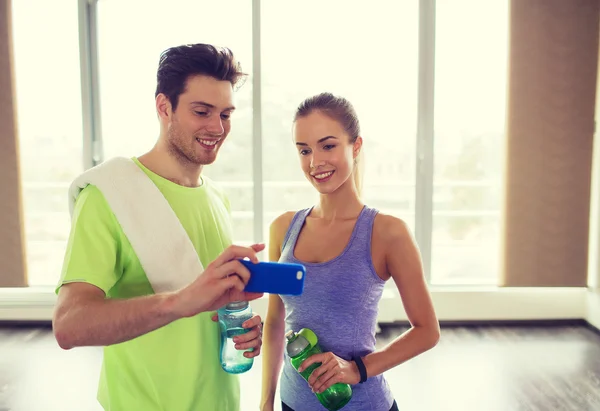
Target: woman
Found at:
x=350, y=251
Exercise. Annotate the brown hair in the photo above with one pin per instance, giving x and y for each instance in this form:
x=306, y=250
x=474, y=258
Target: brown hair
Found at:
x=178, y=64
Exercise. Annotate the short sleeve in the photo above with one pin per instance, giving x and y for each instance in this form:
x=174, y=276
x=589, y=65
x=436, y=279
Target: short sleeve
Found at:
x=94, y=242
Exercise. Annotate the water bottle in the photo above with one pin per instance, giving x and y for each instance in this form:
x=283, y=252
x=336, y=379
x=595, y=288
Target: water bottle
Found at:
x=231, y=318
x=302, y=345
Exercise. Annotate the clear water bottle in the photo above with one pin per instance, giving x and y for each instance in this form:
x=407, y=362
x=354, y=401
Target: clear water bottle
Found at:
x=231, y=318
x=304, y=344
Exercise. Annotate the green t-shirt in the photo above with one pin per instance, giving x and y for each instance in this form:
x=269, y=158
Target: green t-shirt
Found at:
x=176, y=367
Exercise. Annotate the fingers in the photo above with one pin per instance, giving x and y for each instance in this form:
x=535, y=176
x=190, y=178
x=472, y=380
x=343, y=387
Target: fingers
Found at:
x=312, y=360
x=253, y=340
x=257, y=247
x=252, y=322
x=231, y=282
x=322, y=369
x=251, y=296
x=234, y=267
x=326, y=380
x=233, y=277
x=237, y=252
x=253, y=353
x=244, y=296
x=252, y=345
x=215, y=317
x=254, y=333
x=249, y=340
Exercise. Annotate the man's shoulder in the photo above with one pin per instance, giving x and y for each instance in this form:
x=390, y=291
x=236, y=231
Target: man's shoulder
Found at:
x=212, y=185
x=215, y=191
x=93, y=212
x=91, y=197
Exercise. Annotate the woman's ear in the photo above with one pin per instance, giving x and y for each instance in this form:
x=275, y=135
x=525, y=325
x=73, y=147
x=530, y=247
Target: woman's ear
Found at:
x=357, y=147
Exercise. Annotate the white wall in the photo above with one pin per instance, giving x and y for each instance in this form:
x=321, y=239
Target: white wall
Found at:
x=452, y=304
x=593, y=294
x=593, y=297
x=594, y=308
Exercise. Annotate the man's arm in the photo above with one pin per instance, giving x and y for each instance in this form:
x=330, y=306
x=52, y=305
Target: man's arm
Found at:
x=84, y=317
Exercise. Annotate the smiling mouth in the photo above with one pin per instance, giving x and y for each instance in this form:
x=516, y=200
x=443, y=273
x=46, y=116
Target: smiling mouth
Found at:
x=322, y=177
x=208, y=144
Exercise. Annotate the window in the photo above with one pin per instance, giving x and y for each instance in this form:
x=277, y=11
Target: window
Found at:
x=48, y=95
x=128, y=60
x=364, y=53
x=470, y=89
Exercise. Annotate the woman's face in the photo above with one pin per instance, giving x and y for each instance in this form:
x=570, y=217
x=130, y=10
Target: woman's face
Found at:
x=326, y=153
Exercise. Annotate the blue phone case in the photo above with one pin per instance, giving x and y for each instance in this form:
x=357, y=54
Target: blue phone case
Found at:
x=275, y=278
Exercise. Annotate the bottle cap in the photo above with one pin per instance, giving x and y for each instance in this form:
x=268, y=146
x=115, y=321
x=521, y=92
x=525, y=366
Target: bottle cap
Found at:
x=237, y=305
x=296, y=343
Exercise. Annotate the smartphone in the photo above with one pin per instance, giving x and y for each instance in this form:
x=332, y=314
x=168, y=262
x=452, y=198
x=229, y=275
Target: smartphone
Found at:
x=275, y=278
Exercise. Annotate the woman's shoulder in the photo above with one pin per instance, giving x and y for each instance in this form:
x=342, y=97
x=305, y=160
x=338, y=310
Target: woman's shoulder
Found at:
x=281, y=223
x=284, y=219
x=388, y=228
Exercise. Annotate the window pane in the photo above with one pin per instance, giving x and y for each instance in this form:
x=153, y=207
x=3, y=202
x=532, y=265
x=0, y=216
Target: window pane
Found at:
x=368, y=53
x=128, y=60
x=470, y=81
x=46, y=50
x=240, y=195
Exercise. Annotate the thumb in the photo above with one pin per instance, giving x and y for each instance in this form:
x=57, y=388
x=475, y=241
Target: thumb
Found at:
x=244, y=296
x=252, y=296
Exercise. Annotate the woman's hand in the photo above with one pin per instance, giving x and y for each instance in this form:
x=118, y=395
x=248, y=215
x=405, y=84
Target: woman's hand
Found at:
x=332, y=370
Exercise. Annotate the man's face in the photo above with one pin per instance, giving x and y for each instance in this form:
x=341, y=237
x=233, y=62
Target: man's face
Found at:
x=198, y=127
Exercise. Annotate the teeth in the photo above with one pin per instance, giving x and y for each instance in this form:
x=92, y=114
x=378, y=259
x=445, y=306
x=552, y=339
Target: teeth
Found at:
x=324, y=175
x=208, y=142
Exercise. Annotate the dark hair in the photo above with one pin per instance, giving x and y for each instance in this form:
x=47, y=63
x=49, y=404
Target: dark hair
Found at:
x=339, y=109
x=177, y=64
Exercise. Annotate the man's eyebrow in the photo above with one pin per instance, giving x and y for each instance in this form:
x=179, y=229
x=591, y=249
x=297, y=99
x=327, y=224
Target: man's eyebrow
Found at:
x=204, y=103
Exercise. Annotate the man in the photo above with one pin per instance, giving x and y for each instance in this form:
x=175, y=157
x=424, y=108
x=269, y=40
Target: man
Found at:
x=161, y=350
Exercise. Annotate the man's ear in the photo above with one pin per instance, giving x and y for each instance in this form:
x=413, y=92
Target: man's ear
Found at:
x=163, y=107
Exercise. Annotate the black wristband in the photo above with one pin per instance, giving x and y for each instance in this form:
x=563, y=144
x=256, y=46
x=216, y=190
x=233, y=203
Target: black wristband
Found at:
x=361, y=368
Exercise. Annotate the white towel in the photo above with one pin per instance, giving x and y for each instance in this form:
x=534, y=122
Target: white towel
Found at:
x=150, y=224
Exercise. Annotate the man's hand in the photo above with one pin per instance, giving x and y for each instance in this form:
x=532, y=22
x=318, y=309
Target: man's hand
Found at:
x=223, y=281
x=332, y=370
x=250, y=340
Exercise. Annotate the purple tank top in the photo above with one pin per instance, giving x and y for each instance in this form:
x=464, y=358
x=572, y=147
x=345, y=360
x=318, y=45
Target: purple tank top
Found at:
x=340, y=304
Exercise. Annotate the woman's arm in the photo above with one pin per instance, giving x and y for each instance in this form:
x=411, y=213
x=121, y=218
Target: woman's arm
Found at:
x=274, y=330
x=273, y=345
x=403, y=263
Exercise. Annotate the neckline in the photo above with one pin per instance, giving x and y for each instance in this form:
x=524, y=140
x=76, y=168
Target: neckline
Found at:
x=168, y=184
x=340, y=255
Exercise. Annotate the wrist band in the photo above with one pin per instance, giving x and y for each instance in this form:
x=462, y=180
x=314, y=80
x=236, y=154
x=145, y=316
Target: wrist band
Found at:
x=361, y=368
